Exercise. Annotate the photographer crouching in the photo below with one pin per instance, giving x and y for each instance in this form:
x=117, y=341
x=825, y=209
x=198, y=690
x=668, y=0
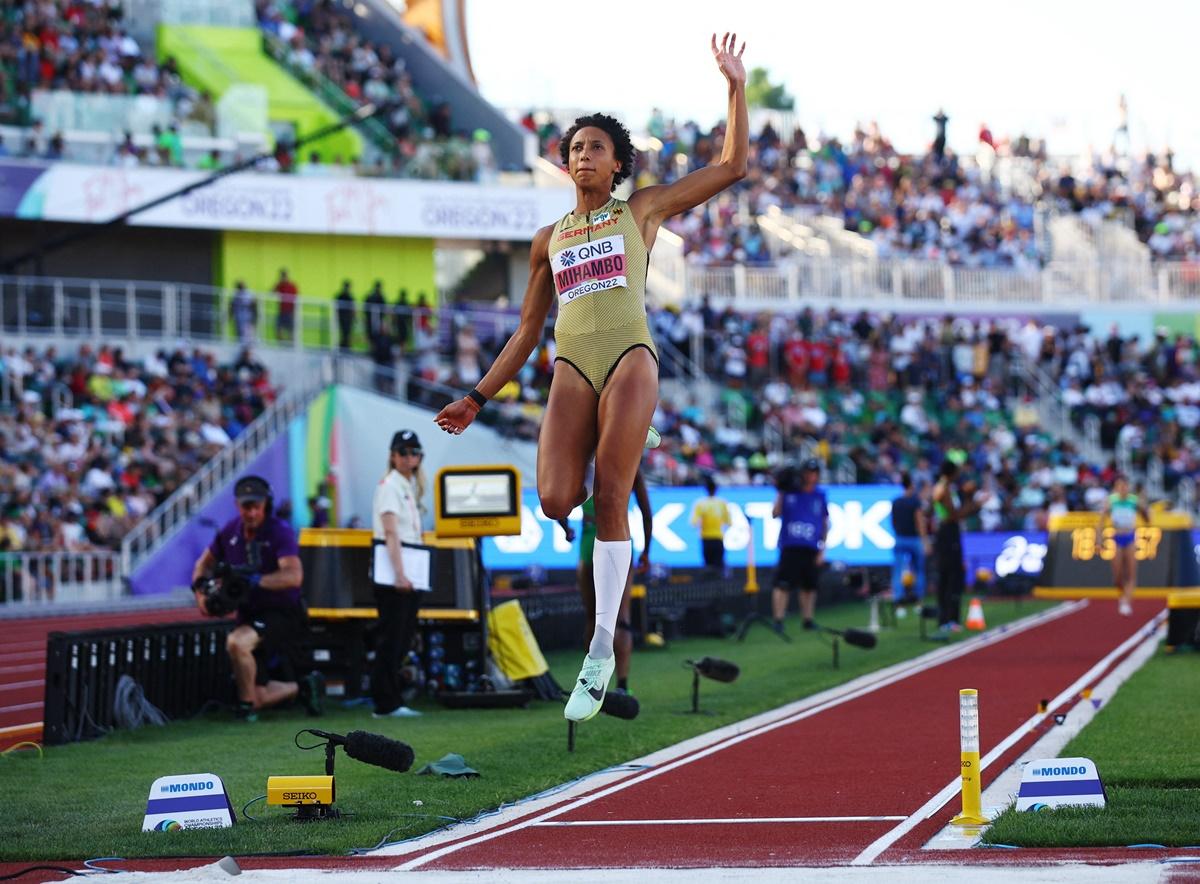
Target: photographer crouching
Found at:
x=253, y=567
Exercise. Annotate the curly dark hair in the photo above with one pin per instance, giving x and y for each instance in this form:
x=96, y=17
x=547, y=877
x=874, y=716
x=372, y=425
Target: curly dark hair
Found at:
x=622, y=146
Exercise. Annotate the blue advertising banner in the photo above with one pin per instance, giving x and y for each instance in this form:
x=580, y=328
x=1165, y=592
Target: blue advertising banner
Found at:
x=860, y=533
x=860, y=529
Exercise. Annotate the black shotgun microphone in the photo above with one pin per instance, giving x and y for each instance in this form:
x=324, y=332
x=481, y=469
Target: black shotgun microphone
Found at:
x=860, y=638
x=379, y=751
x=716, y=669
x=624, y=706
x=372, y=749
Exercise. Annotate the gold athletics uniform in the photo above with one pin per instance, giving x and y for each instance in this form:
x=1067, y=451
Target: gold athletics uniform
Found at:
x=599, y=265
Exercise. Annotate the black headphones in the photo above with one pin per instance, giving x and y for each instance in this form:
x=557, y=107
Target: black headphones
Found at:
x=255, y=488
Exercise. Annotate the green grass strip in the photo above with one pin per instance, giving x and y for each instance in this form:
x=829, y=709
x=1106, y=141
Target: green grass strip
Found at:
x=1143, y=741
x=87, y=799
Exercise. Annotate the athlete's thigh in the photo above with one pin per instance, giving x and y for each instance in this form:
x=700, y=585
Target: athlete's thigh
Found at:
x=568, y=436
x=626, y=408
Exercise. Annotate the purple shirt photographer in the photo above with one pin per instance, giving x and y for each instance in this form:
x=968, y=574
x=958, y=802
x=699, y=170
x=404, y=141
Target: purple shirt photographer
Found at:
x=274, y=540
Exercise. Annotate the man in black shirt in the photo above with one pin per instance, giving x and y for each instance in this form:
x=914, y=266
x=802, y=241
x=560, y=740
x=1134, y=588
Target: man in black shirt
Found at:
x=912, y=537
x=344, y=301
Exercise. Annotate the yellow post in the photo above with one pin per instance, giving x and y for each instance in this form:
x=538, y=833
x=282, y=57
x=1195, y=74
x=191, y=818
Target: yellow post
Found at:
x=968, y=727
x=751, y=586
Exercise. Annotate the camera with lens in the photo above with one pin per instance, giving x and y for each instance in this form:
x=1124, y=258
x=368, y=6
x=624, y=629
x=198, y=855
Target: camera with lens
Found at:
x=786, y=480
x=224, y=589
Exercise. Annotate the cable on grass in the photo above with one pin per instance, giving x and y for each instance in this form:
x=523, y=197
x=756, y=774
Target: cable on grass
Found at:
x=131, y=709
x=25, y=871
x=1000, y=846
x=15, y=746
x=360, y=851
x=104, y=859
x=252, y=819
x=1147, y=846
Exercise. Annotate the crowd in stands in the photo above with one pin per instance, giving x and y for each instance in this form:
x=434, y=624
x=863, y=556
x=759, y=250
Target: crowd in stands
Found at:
x=91, y=442
x=870, y=396
x=1144, y=399
x=84, y=47
x=318, y=40
x=934, y=205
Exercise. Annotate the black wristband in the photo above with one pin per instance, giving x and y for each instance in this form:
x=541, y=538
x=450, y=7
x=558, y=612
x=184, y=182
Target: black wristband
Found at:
x=478, y=398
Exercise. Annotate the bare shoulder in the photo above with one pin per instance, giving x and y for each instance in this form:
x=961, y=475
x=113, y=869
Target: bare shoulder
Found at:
x=540, y=247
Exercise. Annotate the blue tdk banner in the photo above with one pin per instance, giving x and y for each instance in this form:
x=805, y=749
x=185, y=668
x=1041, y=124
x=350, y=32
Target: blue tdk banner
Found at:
x=860, y=529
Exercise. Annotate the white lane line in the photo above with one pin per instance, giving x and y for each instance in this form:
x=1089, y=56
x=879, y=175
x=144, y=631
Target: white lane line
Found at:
x=19, y=727
x=34, y=656
x=28, y=667
x=724, y=822
x=1003, y=790
x=731, y=735
x=20, y=707
x=934, y=804
x=22, y=685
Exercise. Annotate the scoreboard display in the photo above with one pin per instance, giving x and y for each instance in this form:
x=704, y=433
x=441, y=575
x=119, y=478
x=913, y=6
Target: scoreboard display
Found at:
x=1081, y=549
x=477, y=501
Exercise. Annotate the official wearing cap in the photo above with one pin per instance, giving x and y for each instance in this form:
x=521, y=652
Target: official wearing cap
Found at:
x=395, y=520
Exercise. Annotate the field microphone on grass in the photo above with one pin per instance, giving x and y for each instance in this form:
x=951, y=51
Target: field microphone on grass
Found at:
x=860, y=638
x=716, y=669
x=623, y=706
x=373, y=749
x=313, y=796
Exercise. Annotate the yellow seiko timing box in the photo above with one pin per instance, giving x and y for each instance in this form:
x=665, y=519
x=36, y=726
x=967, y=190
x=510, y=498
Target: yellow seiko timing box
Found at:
x=299, y=791
x=477, y=501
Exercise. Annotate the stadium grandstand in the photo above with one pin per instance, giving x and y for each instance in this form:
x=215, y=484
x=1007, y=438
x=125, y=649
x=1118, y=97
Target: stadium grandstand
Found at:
x=261, y=236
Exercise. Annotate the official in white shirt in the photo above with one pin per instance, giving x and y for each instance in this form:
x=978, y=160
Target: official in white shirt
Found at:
x=396, y=519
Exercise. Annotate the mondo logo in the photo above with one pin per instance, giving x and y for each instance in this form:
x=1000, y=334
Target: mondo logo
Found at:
x=567, y=257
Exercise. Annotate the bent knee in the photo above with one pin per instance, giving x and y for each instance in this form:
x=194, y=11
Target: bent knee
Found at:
x=240, y=644
x=558, y=506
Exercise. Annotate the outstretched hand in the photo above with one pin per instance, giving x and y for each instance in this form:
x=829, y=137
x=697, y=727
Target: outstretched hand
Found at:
x=729, y=63
x=456, y=416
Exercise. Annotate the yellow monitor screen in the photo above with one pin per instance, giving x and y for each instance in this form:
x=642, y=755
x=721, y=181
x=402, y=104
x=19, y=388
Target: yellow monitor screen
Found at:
x=477, y=501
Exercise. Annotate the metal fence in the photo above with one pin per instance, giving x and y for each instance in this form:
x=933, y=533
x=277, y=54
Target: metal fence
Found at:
x=901, y=284
x=28, y=578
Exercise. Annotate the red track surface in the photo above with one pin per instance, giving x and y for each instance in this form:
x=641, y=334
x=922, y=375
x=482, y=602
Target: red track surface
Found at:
x=23, y=661
x=882, y=754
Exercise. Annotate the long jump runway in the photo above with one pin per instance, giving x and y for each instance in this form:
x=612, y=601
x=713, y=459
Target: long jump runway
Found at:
x=868, y=776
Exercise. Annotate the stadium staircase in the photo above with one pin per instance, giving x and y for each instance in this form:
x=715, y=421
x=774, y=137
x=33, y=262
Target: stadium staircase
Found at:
x=171, y=515
x=217, y=59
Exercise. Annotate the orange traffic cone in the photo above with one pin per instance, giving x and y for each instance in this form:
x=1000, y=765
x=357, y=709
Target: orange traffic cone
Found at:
x=975, y=615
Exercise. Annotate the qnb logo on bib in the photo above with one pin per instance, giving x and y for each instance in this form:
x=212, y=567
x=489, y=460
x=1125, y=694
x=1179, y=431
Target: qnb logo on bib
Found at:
x=589, y=267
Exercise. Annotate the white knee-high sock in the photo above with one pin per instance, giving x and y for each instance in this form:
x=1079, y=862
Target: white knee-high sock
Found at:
x=610, y=568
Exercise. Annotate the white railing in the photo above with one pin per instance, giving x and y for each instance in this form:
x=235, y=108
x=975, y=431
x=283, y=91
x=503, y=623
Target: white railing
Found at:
x=903, y=284
x=173, y=513
x=32, y=577
x=666, y=275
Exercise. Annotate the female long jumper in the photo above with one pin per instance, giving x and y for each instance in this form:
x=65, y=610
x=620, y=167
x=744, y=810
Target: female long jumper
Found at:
x=593, y=262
